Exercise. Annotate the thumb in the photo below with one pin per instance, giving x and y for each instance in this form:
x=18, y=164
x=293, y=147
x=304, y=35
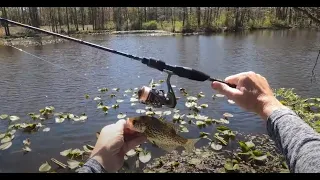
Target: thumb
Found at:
x=226, y=90
x=133, y=143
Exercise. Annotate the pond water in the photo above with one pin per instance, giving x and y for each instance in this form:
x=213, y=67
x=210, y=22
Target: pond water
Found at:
x=27, y=84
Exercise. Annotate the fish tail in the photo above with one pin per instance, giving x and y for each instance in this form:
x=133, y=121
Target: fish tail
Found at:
x=190, y=145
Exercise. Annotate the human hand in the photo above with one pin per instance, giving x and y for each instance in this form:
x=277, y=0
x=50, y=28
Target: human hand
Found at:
x=114, y=142
x=253, y=93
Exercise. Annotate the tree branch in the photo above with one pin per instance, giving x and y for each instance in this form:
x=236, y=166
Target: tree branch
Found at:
x=308, y=14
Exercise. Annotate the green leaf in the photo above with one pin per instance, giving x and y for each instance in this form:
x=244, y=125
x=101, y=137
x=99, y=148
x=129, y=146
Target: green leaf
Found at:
x=215, y=146
x=59, y=120
x=131, y=153
x=46, y=129
x=166, y=113
x=119, y=100
x=230, y=101
x=86, y=149
x=116, y=89
x=128, y=91
x=244, y=146
x=14, y=118
x=201, y=117
x=140, y=111
x=72, y=164
x=158, y=113
x=133, y=100
x=200, y=123
x=260, y=158
x=222, y=128
x=132, y=104
x=224, y=142
x=228, y=166
x=86, y=96
x=250, y=144
x=192, y=98
x=2, y=135
x=83, y=118
x=204, y=105
x=227, y=115
x=144, y=157
x=12, y=131
x=184, y=129
x=65, y=152
x=45, y=167
x=112, y=95
x=257, y=153
x=176, y=116
x=115, y=106
x=201, y=94
x=121, y=116
x=6, y=145
x=6, y=139
x=183, y=122
x=3, y=116
x=103, y=89
x=26, y=149
x=150, y=113
x=236, y=167
x=97, y=99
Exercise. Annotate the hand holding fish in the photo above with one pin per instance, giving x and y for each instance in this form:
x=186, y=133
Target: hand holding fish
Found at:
x=114, y=141
x=253, y=93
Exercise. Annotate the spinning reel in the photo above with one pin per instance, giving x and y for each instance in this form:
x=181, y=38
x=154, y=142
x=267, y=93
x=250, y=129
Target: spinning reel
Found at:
x=158, y=98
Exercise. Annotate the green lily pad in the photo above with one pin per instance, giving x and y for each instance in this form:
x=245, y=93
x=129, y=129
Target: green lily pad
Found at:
x=140, y=111
x=244, y=146
x=97, y=99
x=115, y=106
x=158, y=113
x=59, y=120
x=250, y=144
x=260, y=158
x=183, y=122
x=26, y=149
x=3, y=116
x=112, y=95
x=46, y=129
x=204, y=105
x=150, y=113
x=215, y=146
x=201, y=94
x=116, y=89
x=2, y=135
x=183, y=129
x=192, y=98
x=131, y=153
x=144, y=157
x=128, y=91
x=231, y=101
x=227, y=115
x=119, y=100
x=87, y=148
x=133, y=100
x=26, y=142
x=200, y=123
x=201, y=117
x=190, y=104
x=86, y=96
x=132, y=104
x=176, y=116
x=219, y=95
x=65, y=152
x=83, y=118
x=72, y=164
x=121, y=116
x=6, y=145
x=45, y=167
x=223, y=128
x=166, y=113
x=257, y=153
x=103, y=89
x=221, y=139
x=7, y=139
x=14, y=118
x=12, y=131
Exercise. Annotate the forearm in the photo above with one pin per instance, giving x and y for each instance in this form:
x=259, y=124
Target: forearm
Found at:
x=298, y=142
x=91, y=166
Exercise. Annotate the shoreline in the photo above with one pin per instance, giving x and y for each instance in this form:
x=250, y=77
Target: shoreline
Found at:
x=43, y=39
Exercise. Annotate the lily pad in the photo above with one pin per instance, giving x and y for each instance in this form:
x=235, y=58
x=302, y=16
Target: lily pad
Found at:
x=133, y=100
x=190, y=104
x=65, y=152
x=150, y=113
x=128, y=91
x=97, y=99
x=87, y=148
x=26, y=142
x=219, y=95
x=204, y=105
x=227, y=115
x=119, y=100
x=2, y=135
x=201, y=94
x=103, y=89
x=112, y=95
x=244, y=146
x=5, y=145
x=121, y=116
x=86, y=96
x=45, y=167
x=260, y=158
x=116, y=89
x=132, y=104
x=231, y=101
x=7, y=139
x=183, y=129
x=192, y=98
x=201, y=117
x=3, y=116
x=131, y=153
x=158, y=113
x=140, y=111
x=46, y=129
x=12, y=131
x=221, y=139
x=26, y=149
x=183, y=122
x=200, y=123
x=176, y=116
x=83, y=118
x=72, y=164
x=144, y=157
x=250, y=144
x=59, y=120
x=166, y=113
x=14, y=118
x=215, y=146
x=115, y=106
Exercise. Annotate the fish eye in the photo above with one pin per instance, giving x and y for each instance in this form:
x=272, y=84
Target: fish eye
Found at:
x=133, y=122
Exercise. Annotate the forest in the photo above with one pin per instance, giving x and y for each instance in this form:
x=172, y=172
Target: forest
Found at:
x=69, y=20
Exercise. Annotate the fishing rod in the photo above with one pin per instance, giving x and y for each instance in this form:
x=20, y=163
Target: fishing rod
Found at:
x=145, y=94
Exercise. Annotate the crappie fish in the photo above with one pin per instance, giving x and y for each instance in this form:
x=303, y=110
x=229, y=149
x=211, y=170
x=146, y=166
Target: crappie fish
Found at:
x=160, y=133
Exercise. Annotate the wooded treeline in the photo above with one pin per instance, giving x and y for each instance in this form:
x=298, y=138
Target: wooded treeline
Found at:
x=73, y=19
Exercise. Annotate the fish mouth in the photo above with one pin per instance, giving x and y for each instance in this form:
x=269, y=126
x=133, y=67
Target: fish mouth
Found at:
x=130, y=125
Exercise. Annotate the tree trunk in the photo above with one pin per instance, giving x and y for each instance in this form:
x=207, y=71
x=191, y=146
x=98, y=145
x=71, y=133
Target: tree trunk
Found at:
x=290, y=15
x=23, y=15
x=173, y=19
x=76, y=18
x=198, y=16
x=5, y=24
x=67, y=20
x=102, y=18
x=184, y=16
x=59, y=18
x=145, y=14
x=82, y=17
